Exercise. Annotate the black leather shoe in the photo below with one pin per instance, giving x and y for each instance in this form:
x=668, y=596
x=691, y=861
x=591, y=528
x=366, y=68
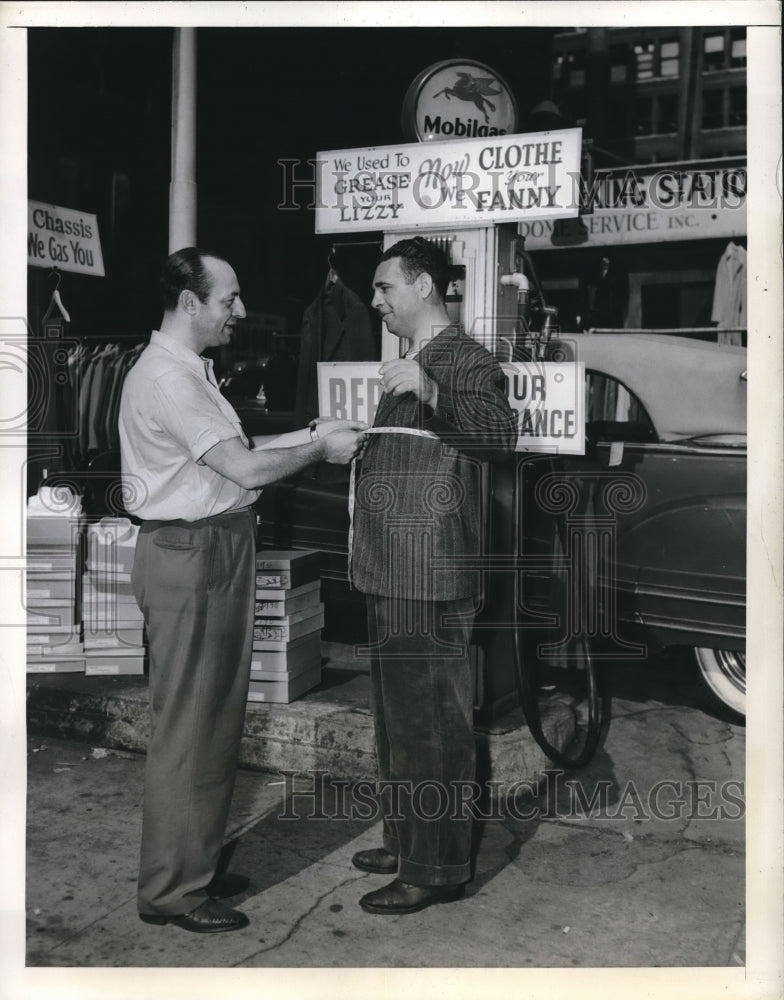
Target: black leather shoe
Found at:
x=378, y=860
x=226, y=885
x=211, y=917
x=403, y=897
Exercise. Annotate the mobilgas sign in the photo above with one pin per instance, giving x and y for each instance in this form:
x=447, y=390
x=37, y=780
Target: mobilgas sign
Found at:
x=63, y=238
x=547, y=397
x=655, y=204
x=471, y=182
x=458, y=99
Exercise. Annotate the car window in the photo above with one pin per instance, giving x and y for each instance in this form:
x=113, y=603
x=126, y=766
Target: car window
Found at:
x=613, y=413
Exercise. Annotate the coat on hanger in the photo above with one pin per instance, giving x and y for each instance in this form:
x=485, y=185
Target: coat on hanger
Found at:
x=336, y=326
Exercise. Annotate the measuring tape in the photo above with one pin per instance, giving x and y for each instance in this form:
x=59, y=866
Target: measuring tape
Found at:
x=415, y=432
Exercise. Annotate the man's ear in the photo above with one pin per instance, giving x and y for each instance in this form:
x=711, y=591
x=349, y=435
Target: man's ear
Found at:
x=189, y=301
x=424, y=284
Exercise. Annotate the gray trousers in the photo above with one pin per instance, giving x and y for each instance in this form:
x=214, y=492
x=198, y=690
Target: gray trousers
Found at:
x=194, y=582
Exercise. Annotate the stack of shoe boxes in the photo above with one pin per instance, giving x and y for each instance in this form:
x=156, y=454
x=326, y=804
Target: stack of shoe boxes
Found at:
x=287, y=629
x=54, y=529
x=113, y=624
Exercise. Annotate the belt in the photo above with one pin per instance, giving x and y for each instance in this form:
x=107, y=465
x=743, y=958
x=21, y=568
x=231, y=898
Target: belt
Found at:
x=203, y=522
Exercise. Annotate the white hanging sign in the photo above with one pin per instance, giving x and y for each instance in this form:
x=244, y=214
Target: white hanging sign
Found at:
x=549, y=399
x=468, y=182
x=63, y=238
x=547, y=396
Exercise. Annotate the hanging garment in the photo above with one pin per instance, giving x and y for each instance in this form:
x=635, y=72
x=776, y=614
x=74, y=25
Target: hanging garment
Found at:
x=102, y=383
x=92, y=396
x=604, y=296
x=336, y=326
x=729, y=293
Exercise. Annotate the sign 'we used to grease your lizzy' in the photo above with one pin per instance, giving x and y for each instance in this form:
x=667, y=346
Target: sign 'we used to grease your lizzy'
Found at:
x=469, y=182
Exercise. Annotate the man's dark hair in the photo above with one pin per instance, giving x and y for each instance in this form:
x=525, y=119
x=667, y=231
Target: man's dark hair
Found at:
x=420, y=256
x=185, y=269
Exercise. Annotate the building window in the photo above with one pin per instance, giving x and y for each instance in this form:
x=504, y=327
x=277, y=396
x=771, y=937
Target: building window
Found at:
x=575, y=63
x=653, y=116
x=651, y=59
x=644, y=116
x=667, y=117
x=737, y=106
x=616, y=117
x=713, y=52
x=738, y=48
x=618, y=73
x=619, y=60
x=643, y=55
x=724, y=49
x=722, y=108
x=576, y=107
x=713, y=109
x=669, y=58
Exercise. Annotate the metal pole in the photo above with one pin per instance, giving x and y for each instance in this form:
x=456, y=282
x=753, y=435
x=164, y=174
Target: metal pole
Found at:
x=182, y=189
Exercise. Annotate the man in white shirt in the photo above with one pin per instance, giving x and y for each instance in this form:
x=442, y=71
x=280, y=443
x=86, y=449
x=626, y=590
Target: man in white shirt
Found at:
x=191, y=475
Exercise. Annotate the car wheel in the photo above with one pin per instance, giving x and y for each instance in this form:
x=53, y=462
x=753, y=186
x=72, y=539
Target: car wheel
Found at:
x=724, y=673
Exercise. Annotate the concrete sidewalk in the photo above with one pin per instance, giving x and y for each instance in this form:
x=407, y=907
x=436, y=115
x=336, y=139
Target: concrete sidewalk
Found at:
x=329, y=729
x=645, y=875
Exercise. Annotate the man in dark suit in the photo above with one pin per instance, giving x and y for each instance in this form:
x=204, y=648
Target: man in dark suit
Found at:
x=420, y=507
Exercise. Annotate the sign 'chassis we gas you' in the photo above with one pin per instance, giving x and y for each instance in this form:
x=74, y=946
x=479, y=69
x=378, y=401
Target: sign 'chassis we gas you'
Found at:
x=469, y=182
x=63, y=238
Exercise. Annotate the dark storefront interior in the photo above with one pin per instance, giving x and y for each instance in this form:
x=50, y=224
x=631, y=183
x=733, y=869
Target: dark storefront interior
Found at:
x=99, y=141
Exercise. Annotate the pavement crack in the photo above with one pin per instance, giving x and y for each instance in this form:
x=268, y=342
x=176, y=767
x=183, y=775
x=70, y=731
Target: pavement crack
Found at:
x=298, y=922
x=589, y=825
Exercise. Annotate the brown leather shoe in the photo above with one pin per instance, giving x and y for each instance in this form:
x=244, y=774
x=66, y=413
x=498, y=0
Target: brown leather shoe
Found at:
x=378, y=860
x=211, y=917
x=403, y=897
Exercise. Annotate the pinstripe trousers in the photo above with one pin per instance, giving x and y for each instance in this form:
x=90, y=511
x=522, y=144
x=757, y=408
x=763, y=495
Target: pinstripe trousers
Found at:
x=423, y=697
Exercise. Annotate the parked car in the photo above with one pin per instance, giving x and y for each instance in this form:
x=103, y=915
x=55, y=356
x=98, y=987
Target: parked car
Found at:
x=662, y=483
x=659, y=499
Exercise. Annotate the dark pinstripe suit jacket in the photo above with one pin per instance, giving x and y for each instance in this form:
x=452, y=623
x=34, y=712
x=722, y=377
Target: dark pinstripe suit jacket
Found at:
x=420, y=502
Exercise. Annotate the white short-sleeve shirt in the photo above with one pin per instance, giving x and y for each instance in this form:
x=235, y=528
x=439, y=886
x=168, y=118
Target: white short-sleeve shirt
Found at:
x=171, y=413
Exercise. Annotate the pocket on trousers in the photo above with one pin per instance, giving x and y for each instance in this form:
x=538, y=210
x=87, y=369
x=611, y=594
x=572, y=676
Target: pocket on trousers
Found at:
x=178, y=560
x=173, y=537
